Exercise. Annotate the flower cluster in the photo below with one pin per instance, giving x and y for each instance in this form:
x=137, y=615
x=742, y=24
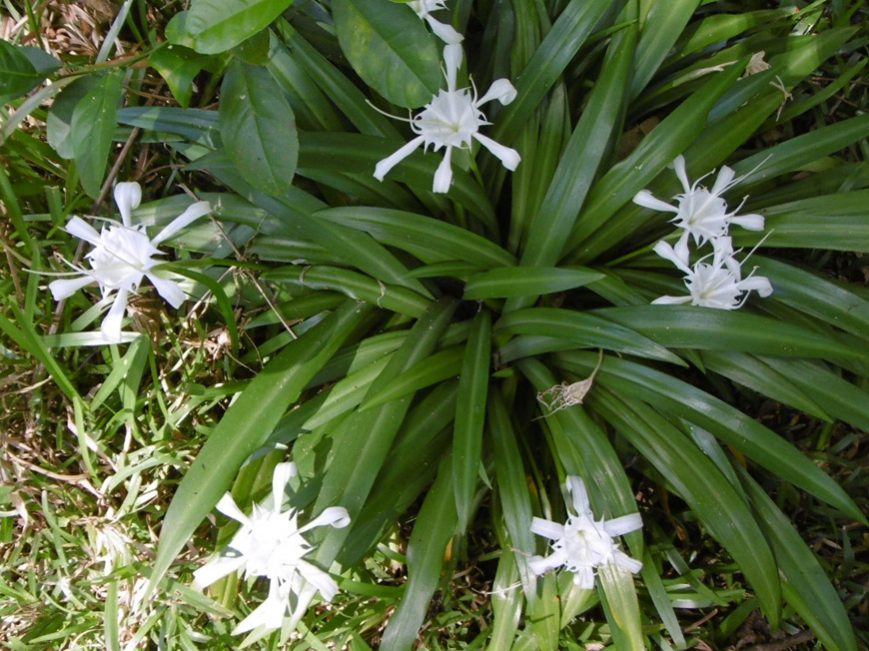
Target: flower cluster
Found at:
x=453, y=118
x=583, y=545
x=270, y=544
x=122, y=256
x=703, y=216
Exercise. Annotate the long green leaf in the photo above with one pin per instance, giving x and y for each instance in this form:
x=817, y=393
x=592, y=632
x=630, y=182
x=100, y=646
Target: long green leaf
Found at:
x=585, y=329
x=806, y=586
x=679, y=398
x=245, y=427
x=707, y=329
x=471, y=415
x=696, y=479
x=561, y=44
x=438, y=367
x=428, y=239
x=662, y=27
x=432, y=531
x=526, y=281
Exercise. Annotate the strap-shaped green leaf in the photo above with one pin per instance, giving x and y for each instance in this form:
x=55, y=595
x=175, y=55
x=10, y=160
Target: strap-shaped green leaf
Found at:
x=662, y=27
x=527, y=281
x=390, y=48
x=426, y=548
x=355, y=285
x=696, y=479
x=428, y=239
x=561, y=44
x=836, y=221
x=619, y=600
x=679, y=398
x=806, y=586
x=585, y=329
x=684, y=326
x=471, y=415
x=513, y=491
x=582, y=156
x=414, y=460
x=657, y=150
x=438, y=367
x=246, y=425
x=258, y=128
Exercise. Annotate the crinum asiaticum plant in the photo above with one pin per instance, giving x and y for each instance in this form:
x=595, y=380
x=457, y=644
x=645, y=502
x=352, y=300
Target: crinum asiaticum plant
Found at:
x=425, y=324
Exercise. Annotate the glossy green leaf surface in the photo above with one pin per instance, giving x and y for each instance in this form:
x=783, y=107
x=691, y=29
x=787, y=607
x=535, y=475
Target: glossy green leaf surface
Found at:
x=390, y=48
x=258, y=128
x=91, y=129
x=214, y=26
x=526, y=281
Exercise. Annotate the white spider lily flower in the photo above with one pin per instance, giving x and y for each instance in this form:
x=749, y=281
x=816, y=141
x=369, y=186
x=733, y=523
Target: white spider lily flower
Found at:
x=270, y=544
x=718, y=284
x=452, y=120
x=700, y=212
x=424, y=8
x=122, y=256
x=582, y=544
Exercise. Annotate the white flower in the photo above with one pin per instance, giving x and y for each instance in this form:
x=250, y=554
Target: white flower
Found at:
x=122, y=256
x=451, y=120
x=423, y=9
x=719, y=284
x=700, y=212
x=270, y=544
x=582, y=544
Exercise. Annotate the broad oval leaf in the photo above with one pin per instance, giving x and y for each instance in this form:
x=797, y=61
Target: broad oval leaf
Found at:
x=17, y=73
x=390, y=48
x=214, y=26
x=91, y=129
x=258, y=128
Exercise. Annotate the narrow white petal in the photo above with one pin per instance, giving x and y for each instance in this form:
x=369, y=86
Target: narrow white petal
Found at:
x=324, y=583
x=501, y=90
x=217, y=568
x=584, y=578
x=66, y=287
x=168, y=289
x=547, y=528
x=724, y=180
x=578, y=494
x=111, y=325
x=269, y=614
x=671, y=300
x=303, y=600
x=443, y=177
x=749, y=222
x=382, y=168
x=509, y=158
x=452, y=61
x=444, y=32
x=646, y=199
x=623, y=524
x=625, y=562
x=229, y=508
x=334, y=516
x=541, y=565
x=679, y=166
x=193, y=212
x=759, y=284
x=666, y=251
x=128, y=196
x=281, y=476
x=79, y=228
